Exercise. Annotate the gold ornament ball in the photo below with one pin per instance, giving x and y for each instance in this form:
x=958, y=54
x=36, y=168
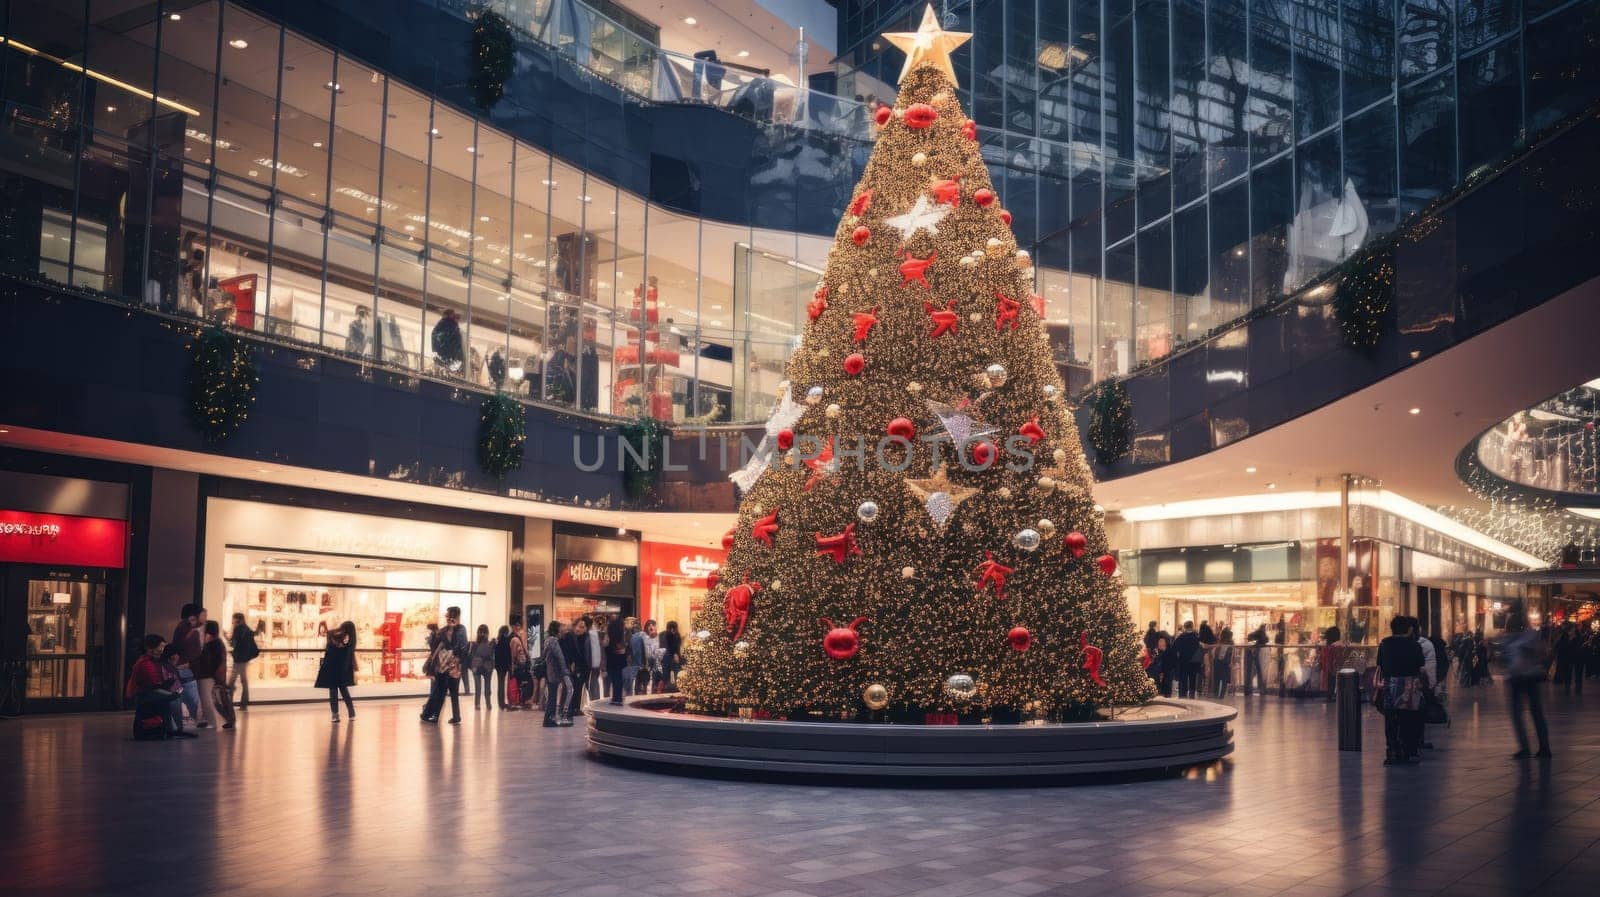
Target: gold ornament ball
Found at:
x=776, y=585
x=1048, y=484
x=1003, y=492
x=1046, y=527
x=833, y=411
x=1060, y=455
x=914, y=387
x=919, y=159
x=872, y=272
x=875, y=696
x=975, y=317
x=968, y=261
x=907, y=572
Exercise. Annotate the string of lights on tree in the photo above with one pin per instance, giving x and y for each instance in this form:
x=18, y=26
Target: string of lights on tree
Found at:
x=222, y=383
x=493, y=58
x=502, y=430
x=887, y=562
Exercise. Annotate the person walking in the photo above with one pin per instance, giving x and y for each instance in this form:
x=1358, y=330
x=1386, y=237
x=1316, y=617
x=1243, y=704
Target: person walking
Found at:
x=1252, y=660
x=190, y=623
x=1525, y=672
x=482, y=663
x=557, y=676
x=1191, y=657
x=531, y=687
x=597, y=626
x=671, y=656
x=502, y=664
x=449, y=647
x=212, y=677
x=1400, y=693
x=1222, y=664
x=338, y=671
x=1150, y=638
x=1162, y=661
x=575, y=646
x=1430, y=679
x=245, y=650
x=616, y=658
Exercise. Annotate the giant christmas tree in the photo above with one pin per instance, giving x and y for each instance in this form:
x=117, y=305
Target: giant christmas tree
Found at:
x=920, y=537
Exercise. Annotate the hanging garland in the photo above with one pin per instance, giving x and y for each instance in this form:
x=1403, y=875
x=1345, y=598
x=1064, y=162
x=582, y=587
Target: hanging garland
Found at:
x=1365, y=295
x=647, y=437
x=493, y=56
x=1110, y=422
x=222, y=383
x=502, y=429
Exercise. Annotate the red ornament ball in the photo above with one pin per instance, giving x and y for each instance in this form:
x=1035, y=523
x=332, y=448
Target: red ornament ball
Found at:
x=1020, y=638
x=883, y=115
x=1077, y=542
x=861, y=234
x=713, y=578
x=841, y=642
x=920, y=115
x=785, y=439
x=983, y=196
x=727, y=540
x=1006, y=217
x=854, y=363
x=969, y=129
x=903, y=428
x=983, y=453
x=1107, y=564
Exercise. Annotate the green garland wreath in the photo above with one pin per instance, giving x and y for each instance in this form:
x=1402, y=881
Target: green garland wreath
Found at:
x=222, y=383
x=502, y=429
x=493, y=58
x=1110, y=422
x=647, y=437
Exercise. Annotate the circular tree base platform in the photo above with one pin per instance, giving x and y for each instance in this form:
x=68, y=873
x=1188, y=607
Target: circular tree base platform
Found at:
x=1162, y=735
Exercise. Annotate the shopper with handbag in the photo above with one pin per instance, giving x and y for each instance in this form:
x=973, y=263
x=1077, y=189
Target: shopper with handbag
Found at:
x=448, y=646
x=481, y=663
x=530, y=688
x=338, y=671
x=1399, y=693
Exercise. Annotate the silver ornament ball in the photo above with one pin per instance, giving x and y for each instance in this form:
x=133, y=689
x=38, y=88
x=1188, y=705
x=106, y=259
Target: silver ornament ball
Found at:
x=867, y=511
x=960, y=686
x=1027, y=540
x=997, y=374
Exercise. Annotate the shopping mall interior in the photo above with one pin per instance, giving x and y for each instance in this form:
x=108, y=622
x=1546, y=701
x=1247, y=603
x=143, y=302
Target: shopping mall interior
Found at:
x=357, y=312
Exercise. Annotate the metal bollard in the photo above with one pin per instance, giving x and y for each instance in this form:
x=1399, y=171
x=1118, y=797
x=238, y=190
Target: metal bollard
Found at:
x=1349, y=695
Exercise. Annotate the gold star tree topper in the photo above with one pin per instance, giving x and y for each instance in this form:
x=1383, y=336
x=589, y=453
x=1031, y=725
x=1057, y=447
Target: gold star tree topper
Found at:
x=928, y=44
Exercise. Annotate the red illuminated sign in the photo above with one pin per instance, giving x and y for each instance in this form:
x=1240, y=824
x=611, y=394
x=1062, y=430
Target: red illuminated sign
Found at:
x=28, y=538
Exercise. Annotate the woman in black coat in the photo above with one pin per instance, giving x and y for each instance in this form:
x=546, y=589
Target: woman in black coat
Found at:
x=338, y=672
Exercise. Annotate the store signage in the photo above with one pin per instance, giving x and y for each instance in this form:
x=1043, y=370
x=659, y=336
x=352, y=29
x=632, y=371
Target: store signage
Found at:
x=385, y=546
x=698, y=566
x=575, y=577
x=29, y=538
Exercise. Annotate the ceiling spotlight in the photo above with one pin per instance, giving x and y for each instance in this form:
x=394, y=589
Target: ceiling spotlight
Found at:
x=317, y=144
x=483, y=217
x=334, y=86
x=689, y=20
x=434, y=131
x=744, y=54
x=1249, y=470
x=239, y=43
x=1416, y=411
x=472, y=149
x=1272, y=485
x=176, y=17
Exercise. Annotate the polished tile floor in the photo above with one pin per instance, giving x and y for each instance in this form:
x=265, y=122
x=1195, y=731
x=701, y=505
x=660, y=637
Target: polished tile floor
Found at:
x=288, y=804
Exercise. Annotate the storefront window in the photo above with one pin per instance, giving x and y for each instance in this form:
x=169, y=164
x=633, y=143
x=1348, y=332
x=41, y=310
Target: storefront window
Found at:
x=297, y=573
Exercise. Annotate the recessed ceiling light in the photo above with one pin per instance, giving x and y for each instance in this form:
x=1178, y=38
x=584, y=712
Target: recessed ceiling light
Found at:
x=334, y=86
x=434, y=131
x=239, y=43
x=111, y=108
x=483, y=217
x=1249, y=470
x=527, y=236
x=1416, y=411
x=176, y=17
x=253, y=172
x=472, y=149
x=744, y=54
x=689, y=20
x=1272, y=485
x=317, y=144
x=411, y=227
x=547, y=182
x=263, y=470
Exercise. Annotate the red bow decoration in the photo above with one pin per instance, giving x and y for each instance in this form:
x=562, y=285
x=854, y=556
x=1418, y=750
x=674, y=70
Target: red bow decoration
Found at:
x=1006, y=312
x=861, y=203
x=839, y=545
x=1032, y=430
x=1093, y=658
x=764, y=529
x=865, y=321
x=992, y=571
x=920, y=115
x=945, y=320
x=915, y=269
x=947, y=190
x=818, y=303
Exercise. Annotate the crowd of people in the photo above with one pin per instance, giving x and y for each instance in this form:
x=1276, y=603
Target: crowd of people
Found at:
x=195, y=674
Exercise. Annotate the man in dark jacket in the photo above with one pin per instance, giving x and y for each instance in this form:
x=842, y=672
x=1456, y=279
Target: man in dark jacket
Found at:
x=186, y=638
x=1190, y=659
x=575, y=648
x=244, y=651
